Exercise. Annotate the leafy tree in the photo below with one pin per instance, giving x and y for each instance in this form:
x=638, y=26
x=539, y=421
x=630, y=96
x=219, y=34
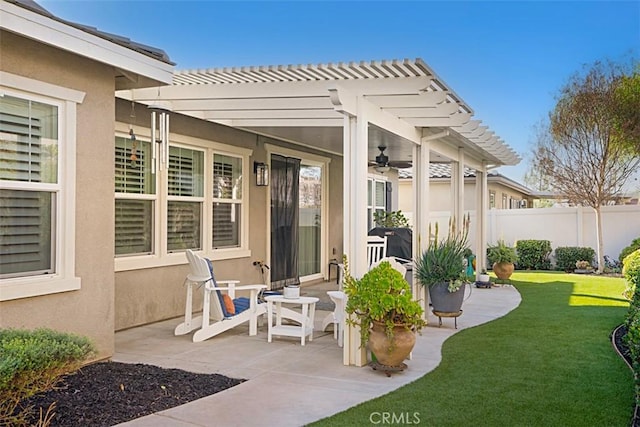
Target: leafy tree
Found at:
x=585, y=152
x=627, y=114
x=533, y=177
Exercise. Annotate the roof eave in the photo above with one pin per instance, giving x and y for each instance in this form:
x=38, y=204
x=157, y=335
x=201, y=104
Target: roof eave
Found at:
x=53, y=32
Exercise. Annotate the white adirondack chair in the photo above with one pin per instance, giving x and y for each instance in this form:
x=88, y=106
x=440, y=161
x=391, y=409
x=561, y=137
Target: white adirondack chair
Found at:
x=247, y=308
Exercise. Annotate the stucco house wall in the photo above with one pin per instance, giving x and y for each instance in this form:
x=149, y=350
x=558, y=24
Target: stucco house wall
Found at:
x=440, y=195
x=502, y=191
x=89, y=310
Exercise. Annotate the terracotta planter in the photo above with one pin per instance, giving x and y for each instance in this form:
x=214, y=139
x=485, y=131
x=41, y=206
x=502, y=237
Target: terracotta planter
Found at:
x=444, y=301
x=503, y=270
x=391, y=353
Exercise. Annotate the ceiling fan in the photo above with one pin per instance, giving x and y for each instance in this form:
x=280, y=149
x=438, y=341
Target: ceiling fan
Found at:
x=382, y=163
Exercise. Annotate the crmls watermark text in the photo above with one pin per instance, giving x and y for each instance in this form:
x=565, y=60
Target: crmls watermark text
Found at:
x=397, y=418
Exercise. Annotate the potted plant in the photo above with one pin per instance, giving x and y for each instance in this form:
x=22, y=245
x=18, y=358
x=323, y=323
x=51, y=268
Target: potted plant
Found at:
x=583, y=267
x=484, y=281
x=381, y=304
x=503, y=258
x=393, y=219
x=441, y=267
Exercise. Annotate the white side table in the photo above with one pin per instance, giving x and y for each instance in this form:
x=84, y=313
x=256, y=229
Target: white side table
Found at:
x=336, y=317
x=305, y=319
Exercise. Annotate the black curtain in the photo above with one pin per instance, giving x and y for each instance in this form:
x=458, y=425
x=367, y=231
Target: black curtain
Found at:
x=285, y=172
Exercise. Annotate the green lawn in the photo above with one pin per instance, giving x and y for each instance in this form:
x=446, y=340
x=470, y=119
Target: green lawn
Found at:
x=547, y=363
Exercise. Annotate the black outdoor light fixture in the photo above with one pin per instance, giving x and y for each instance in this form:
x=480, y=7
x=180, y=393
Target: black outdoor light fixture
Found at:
x=262, y=173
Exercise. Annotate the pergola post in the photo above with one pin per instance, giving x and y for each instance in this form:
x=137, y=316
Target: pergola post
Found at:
x=481, y=218
x=457, y=190
x=356, y=134
x=421, y=217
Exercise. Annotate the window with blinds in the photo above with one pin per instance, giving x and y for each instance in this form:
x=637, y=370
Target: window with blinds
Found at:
x=185, y=177
x=28, y=153
x=227, y=201
x=166, y=212
x=135, y=197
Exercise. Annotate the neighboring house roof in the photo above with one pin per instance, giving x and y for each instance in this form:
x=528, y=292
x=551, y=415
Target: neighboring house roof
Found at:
x=442, y=172
x=137, y=65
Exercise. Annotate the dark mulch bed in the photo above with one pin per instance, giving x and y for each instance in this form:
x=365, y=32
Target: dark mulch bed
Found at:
x=108, y=393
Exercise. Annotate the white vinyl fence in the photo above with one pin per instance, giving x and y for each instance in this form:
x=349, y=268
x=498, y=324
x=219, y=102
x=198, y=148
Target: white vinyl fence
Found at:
x=575, y=226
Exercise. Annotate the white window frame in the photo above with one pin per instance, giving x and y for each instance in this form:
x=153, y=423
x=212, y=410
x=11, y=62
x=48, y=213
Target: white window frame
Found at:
x=153, y=197
x=66, y=99
x=247, y=174
x=201, y=200
x=373, y=179
x=160, y=256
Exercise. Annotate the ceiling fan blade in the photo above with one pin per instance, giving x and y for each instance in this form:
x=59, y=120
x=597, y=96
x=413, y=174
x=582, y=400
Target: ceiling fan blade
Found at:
x=399, y=164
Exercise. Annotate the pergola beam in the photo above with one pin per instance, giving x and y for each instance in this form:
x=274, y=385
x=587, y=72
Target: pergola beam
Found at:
x=328, y=113
x=422, y=99
x=291, y=89
x=470, y=126
x=289, y=122
x=299, y=103
x=455, y=119
x=345, y=102
x=442, y=110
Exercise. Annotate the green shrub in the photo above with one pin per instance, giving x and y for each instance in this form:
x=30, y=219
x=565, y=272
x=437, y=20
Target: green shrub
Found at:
x=632, y=339
x=567, y=256
x=631, y=273
x=634, y=246
x=32, y=362
x=395, y=219
x=533, y=254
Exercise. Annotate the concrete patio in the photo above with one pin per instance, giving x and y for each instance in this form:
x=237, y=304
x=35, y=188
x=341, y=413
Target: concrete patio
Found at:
x=289, y=385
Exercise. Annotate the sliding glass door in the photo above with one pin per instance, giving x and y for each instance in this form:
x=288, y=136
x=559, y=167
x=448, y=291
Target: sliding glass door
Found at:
x=310, y=220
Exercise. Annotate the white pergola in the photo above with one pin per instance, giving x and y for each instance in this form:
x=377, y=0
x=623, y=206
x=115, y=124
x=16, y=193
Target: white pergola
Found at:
x=350, y=110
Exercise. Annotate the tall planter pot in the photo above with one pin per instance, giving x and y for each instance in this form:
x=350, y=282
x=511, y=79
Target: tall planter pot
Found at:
x=391, y=352
x=444, y=301
x=503, y=270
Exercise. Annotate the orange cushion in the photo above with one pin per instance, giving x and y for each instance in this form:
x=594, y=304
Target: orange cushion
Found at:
x=228, y=304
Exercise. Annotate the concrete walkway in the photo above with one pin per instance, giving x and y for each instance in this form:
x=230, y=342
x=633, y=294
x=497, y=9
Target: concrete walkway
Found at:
x=289, y=385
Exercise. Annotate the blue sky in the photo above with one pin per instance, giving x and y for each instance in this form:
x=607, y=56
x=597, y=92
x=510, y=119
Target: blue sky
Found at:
x=506, y=59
